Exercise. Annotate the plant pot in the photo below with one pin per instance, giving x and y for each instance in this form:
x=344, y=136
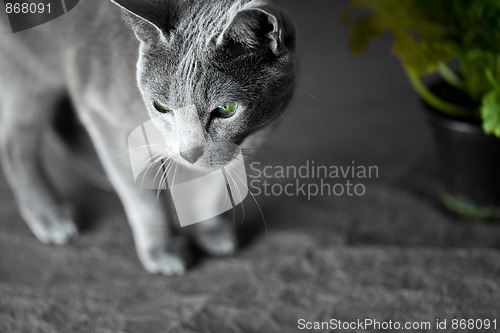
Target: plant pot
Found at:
x=469, y=163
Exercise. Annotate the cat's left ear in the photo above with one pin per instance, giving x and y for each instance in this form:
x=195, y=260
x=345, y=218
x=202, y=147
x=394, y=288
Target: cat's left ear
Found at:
x=150, y=20
x=258, y=24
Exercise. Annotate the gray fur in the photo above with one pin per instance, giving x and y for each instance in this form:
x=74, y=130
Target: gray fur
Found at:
x=192, y=55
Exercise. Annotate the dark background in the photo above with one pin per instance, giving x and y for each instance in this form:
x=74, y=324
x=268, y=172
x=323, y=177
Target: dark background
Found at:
x=393, y=254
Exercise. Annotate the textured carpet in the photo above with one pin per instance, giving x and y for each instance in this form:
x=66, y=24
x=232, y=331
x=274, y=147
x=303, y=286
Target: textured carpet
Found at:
x=392, y=254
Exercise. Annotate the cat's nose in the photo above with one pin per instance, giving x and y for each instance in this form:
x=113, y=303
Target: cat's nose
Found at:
x=192, y=155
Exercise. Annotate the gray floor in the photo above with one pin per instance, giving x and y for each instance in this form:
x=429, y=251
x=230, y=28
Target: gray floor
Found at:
x=392, y=254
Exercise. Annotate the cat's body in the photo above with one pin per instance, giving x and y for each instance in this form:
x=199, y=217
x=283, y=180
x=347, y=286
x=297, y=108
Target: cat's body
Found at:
x=189, y=54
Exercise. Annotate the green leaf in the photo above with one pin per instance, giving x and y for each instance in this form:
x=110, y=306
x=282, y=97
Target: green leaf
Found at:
x=422, y=58
x=364, y=30
x=417, y=40
x=490, y=112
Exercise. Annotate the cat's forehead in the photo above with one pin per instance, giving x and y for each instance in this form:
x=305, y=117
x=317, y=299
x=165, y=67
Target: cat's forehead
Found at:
x=207, y=15
x=200, y=23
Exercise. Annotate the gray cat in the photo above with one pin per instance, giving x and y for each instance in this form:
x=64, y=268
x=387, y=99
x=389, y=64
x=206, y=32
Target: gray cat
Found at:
x=228, y=65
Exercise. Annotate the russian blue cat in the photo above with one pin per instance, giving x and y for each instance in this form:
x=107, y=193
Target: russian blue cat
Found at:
x=213, y=75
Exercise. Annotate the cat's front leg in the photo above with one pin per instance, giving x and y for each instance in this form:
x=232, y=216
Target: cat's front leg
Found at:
x=215, y=237
x=46, y=213
x=153, y=240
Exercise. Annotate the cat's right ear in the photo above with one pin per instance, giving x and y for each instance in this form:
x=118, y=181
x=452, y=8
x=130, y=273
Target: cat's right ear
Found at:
x=260, y=24
x=150, y=20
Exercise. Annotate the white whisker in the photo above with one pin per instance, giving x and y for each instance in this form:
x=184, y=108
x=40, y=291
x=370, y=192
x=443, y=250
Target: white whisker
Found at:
x=163, y=184
x=239, y=191
x=229, y=191
x=152, y=161
x=258, y=207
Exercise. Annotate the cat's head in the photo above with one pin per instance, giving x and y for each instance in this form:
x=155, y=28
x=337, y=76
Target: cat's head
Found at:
x=212, y=73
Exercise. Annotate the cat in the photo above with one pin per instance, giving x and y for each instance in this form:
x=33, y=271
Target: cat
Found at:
x=213, y=75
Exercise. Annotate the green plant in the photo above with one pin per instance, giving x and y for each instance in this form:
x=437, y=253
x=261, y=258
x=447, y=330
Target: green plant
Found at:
x=427, y=36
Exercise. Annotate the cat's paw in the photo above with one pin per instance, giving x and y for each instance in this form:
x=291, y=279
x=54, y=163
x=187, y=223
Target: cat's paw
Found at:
x=164, y=261
x=53, y=226
x=215, y=237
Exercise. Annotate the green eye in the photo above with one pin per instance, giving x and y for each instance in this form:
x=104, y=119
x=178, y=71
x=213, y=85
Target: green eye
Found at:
x=228, y=110
x=160, y=107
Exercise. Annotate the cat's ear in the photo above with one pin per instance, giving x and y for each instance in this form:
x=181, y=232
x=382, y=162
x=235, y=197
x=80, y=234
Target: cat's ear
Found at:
x=257, y=25
x=150, y=20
